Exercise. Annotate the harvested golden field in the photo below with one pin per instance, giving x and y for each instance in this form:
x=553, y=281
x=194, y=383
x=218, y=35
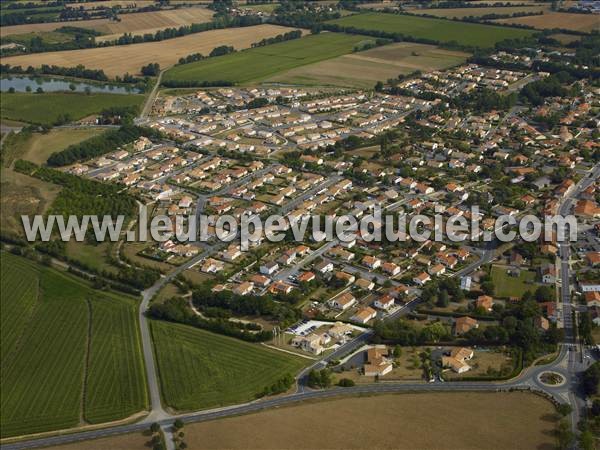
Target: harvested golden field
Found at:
x=405, y=421
x=135, y=23
x=364, y=69
x=568, y=21
x=464, y=12
x=130, y=58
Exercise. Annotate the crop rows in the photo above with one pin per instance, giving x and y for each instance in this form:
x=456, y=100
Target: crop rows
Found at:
x=43, y=358
x=199, y=369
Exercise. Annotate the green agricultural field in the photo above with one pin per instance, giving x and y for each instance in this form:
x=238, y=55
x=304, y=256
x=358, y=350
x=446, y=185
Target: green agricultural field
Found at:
x=46, y=108
x=259, y=63
x=199, y=369
x=468, y=34
x=70, y=355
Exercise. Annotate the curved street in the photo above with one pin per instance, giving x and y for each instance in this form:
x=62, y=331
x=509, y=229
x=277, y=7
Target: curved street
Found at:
x=569, y=363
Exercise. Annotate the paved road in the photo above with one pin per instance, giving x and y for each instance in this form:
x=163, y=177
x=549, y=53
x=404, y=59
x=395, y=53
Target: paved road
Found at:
x=526, y=381
x=150, y=100
x=576, y=353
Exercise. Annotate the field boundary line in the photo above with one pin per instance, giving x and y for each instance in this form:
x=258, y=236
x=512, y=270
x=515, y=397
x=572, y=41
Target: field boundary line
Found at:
x=288, y=351
x=88, y=352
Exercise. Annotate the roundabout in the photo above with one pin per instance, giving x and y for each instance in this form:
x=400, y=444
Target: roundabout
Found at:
x=551, y=379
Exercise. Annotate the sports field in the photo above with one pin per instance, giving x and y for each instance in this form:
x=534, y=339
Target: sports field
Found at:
x=46, y=108
x=135, y=23
x=260, y=63
x=568, y=21
x=364, y=69
x=199, y=369
x=457, y=421
x=70, y=355
x=459, y=13
x=118, y=60
x=469, y=34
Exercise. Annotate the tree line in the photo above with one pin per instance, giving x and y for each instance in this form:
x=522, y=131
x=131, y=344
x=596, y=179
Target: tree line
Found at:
x=101, y=144
x=177, y=310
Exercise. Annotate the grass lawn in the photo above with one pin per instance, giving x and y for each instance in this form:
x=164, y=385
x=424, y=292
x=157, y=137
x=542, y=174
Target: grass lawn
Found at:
x=70, y=354
x=199, y=369
x=469, y=34
x=47, y=37
x=47, y=107
x=466, y=420
x=91, y=255
x=259, y=63
x=508, y=286
x=40, y=146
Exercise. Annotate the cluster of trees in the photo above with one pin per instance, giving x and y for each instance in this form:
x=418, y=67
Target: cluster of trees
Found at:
x=178, y=310
x=78, y=71
x=302, y=14
x=193, y=57
x=590, y=381
x=403, y=332
x=150, y=70
x=257, y=103
x=290, y=35
x=221, y=50
x=78, y=38
x=585, y=326
x=47, y=12
x=483, y=100
x=118, y=115
x=79, y=195
x=551, y=86
x=516, y=328
x=319, y=378
x=280, y=386
x=247, y=305
x=101, y=144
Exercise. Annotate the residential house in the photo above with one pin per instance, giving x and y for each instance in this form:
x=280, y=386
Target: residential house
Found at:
x=364, y=315
x=269, y=268
x=244, y=288
x=422, y=278
x=344, y=301
x=385, y=302
x=464, y=324
x=377, y=362
x=484, y=302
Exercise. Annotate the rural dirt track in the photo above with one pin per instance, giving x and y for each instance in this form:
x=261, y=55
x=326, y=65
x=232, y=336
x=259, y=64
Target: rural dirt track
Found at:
x=118, y=60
